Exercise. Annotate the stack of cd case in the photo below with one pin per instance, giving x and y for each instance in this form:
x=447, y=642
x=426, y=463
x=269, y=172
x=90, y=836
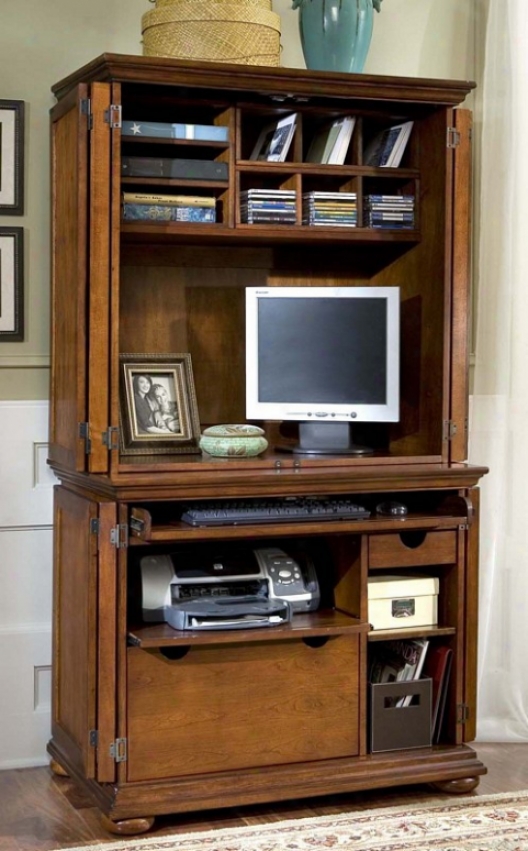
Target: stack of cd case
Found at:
x=330, y=209
x=267, y=206
x=389, y=211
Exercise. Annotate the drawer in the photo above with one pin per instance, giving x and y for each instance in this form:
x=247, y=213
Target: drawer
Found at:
x=233, y=706
x=412, y=549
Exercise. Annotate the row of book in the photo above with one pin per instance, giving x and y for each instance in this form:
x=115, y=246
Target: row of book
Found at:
x=329, y=145
x=331, y=142
x=404, y=660
x=139, y=206
x=330, y=209
x=388, y=211
x=275, y=206
x=268, y=206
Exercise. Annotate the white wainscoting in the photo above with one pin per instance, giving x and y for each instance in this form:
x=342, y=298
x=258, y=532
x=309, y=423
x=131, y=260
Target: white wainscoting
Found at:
x=26, y=516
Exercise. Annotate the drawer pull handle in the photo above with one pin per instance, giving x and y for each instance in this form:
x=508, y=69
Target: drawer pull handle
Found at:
x=174, y=653
x=412, y=540
x=316, y=641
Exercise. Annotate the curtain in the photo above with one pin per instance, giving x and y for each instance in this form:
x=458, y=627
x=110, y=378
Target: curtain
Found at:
x=499, y=414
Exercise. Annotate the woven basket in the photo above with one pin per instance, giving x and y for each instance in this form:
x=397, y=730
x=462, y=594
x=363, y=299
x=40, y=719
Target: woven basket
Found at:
x=240, y=31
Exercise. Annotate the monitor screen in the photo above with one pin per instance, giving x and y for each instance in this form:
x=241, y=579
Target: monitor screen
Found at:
x=322, y=353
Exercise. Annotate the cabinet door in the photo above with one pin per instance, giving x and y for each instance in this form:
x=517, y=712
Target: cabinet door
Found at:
x=69, y=178
x=83, y=720
x=99, y=275
x=471, y=620
x=461, y=277
x=80, y=141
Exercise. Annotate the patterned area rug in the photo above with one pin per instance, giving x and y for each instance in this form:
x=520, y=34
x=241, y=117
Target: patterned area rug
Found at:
x=478, y=823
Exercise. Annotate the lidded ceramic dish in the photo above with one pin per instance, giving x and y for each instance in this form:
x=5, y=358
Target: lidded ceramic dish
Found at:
x=243, y=441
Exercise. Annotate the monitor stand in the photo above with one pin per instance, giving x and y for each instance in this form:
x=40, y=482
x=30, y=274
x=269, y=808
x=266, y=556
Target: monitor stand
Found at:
x=322, y=438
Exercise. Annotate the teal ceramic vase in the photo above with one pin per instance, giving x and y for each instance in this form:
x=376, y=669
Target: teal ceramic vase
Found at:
x=335, y=34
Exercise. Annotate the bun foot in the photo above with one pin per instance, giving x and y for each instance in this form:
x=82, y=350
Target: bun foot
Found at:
x=58, y=769
x=127, y=826
x=461, y=786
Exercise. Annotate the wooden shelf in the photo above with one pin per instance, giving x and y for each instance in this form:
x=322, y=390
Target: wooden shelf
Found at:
x=415, y=632
x=321, y=624
x=263, y=234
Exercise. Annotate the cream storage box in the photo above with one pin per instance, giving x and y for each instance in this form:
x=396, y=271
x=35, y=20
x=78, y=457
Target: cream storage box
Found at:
x=398, y=602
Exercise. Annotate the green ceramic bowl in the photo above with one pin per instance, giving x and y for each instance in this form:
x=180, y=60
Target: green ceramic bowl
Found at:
x=227, y=441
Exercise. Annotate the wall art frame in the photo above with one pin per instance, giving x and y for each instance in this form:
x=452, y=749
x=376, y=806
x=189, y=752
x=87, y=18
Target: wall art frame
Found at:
x=158, y=408
x=11, y=284
x=12, y=157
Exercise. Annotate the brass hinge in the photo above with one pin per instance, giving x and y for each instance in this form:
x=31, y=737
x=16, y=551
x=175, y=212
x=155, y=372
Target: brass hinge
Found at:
x=450, y=429
x=112, y=116
x=111, y=437
x=453, y=138
x=94, y=738
x=119, y=536
x=84, y=433
x=118, y=750
x=85, y=106
x=462, y=713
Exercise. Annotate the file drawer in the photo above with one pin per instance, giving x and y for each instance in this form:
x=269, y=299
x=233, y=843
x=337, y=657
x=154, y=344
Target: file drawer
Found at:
x=233, y=706
x=412, y=549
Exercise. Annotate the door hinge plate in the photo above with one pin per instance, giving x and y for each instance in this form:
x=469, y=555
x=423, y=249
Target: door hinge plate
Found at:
x=119, y=536
x=94, y=738
x=462, y=713
x=112, y=116
x=453, y=137
x=85, y=106
x=450, y=429
x=84, y=434
x=111, y=437
x=118, y=750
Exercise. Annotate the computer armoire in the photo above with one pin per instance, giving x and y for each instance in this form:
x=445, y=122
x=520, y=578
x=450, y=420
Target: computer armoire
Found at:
x=150, y=720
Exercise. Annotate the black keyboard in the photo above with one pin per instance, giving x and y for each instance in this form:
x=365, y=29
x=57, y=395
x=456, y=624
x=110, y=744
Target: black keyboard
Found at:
x=287, y=510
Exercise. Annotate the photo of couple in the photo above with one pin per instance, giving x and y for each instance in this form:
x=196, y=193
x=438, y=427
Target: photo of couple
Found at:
x=156, y=412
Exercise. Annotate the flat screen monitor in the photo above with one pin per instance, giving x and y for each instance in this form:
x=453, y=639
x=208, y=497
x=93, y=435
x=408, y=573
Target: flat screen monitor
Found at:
x=326, y=357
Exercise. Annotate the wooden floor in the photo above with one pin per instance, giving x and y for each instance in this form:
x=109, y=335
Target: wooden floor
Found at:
x=42, y=812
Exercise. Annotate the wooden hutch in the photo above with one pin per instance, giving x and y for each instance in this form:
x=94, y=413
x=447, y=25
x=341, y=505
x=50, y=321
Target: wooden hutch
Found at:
x=150, y=720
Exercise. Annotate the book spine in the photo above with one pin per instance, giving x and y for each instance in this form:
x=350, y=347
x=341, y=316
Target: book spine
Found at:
x=167, y=213
x=169, y=200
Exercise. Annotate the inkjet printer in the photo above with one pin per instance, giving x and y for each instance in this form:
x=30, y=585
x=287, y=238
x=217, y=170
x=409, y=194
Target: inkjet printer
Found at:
x=237, y=588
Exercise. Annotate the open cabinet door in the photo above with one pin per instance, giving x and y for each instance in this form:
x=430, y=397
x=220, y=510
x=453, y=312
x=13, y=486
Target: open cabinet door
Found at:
x=68, y=442
x=80, y=153
x=461, y=282
x=99, y=265
x=84, y=666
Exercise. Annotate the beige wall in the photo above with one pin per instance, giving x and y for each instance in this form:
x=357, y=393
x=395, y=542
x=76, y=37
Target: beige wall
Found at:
x=42, y=41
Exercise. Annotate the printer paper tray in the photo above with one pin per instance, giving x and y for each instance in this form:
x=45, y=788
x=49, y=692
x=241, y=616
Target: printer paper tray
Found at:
x=211, y=613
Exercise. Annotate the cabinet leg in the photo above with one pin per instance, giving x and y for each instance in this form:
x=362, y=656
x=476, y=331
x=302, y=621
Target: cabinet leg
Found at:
x=461, y=786
x=58, y=769
x=127, y=826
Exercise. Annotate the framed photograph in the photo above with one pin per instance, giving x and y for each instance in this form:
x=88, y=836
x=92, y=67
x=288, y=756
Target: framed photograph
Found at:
x=274, y=142
x=159, y=413
x=11, y=157
x=11, y=285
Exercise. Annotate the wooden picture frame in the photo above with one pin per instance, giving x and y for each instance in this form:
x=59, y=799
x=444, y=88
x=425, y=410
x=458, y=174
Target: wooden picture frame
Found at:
x=158, y=409
x=11, y=157
x=11, y=284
